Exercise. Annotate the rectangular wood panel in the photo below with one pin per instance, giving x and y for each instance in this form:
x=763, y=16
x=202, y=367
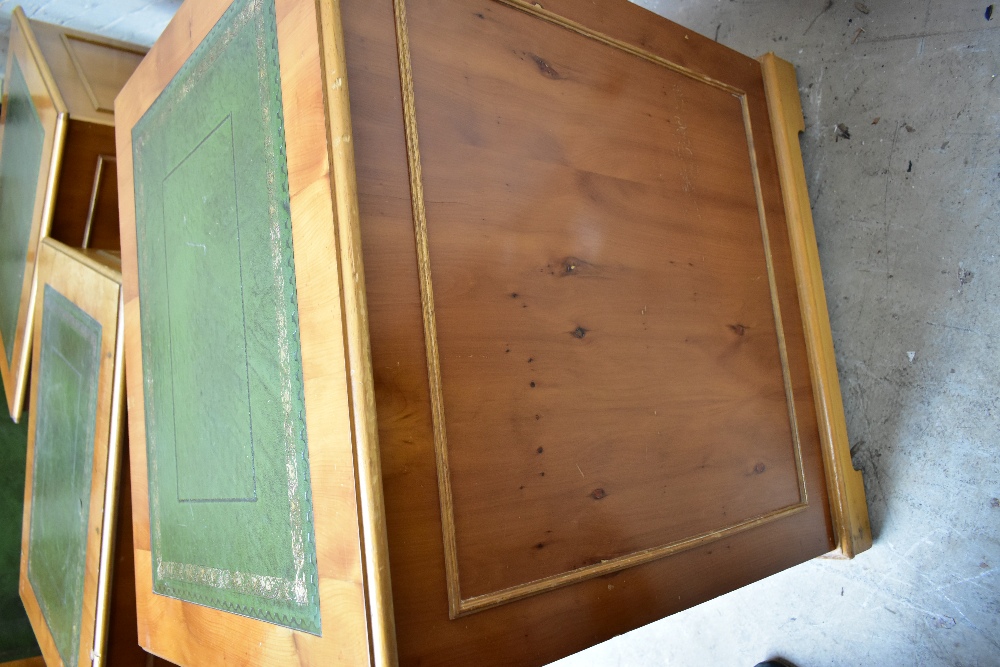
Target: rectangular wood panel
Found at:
x=531, y=336
x=102, y=67
x=593, y=394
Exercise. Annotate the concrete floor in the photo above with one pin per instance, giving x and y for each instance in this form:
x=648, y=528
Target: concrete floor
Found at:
x=907, y=214
x=910, y=265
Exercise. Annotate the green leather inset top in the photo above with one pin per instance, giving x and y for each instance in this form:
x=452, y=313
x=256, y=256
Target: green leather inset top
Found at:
x=17, y=641
x=69, y=363
x=229, y=494
x=20, y=161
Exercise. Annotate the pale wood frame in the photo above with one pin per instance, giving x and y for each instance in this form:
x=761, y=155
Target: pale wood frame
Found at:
x=95, y=288
x=52, y=112
x=846, y=488
x=339, y=396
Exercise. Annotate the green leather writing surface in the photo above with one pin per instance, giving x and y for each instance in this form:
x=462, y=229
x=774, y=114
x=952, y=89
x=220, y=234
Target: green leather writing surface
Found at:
x=69, y=363
x=20, y=161
x=229, y=494
x=204, y=286
x=17, y=641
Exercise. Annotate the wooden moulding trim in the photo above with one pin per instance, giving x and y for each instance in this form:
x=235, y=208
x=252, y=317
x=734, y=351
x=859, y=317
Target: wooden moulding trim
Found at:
x=848, y=507
x=16, y=382
x=427, y=307
x=81, y=72
x=457, y=605
x=94, y=193
x=108, y=530
x=364, y=425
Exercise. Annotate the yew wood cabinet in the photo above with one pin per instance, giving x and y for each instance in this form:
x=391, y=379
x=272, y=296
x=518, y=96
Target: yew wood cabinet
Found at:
x=466, y=332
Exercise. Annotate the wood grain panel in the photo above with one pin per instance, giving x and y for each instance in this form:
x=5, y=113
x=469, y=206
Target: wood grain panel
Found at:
x=518, y=282
x=595, y=609
x=103, y=68
x=86, y=203
x=90, y=69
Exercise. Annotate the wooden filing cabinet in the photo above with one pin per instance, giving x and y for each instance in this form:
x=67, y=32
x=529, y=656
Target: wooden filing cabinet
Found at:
x=465, y=331
x=57, y=165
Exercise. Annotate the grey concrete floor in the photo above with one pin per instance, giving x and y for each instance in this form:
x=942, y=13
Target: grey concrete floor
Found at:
x=907, y=214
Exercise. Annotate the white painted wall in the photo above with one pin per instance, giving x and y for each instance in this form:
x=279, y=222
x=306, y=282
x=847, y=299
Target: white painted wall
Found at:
x=137, y=21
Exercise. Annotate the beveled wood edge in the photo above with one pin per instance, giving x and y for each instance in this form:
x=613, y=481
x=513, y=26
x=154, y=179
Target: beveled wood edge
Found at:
x=848, y=506
x=111, y=496
x=368, y=465
x=459, y=606
x=15, y=375
x=106, y=452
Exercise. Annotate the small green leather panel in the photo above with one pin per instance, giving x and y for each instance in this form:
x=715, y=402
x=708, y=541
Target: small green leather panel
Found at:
x=17, y=641
x=69, y=365
x=20, y=162
x=229, y=495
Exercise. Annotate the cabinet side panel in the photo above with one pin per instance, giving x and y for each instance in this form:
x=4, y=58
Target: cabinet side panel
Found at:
x=531, y=133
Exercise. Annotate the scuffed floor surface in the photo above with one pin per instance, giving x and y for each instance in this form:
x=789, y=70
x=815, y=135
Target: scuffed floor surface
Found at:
x=907, y=214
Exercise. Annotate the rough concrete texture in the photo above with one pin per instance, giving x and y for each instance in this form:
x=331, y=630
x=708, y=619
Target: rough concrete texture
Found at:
x=906, y=214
